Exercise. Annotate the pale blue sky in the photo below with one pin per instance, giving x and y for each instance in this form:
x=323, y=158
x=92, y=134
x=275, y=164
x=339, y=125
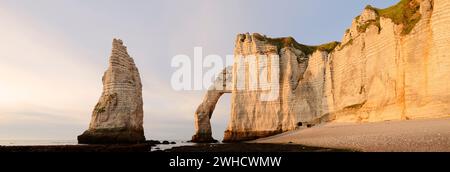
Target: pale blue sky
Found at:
x=54, y=52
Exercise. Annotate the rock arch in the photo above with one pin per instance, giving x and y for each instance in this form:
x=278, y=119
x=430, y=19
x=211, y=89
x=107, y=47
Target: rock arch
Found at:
x=222, y=84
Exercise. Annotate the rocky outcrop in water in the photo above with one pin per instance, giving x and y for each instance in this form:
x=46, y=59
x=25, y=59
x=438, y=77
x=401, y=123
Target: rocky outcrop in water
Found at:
x=388, y=67
x=118, y=116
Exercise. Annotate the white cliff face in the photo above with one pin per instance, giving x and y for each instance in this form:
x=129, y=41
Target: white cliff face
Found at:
x=378, y=73
x=251, y=117
x=118, y=116
x=302, y=95
x=400, y=76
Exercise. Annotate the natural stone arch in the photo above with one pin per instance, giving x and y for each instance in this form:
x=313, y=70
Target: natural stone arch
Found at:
x=222, y=84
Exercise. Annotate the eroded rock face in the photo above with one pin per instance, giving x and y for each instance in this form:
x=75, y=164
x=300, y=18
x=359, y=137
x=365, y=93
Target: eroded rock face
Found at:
x=221, y=85
x=118, y=116
x=300, y=78
x=399, y=76
x=377, y=73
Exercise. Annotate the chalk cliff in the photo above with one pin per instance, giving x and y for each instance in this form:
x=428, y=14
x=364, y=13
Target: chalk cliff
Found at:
x=118, y=116
x=222, y=84
x=392, y=64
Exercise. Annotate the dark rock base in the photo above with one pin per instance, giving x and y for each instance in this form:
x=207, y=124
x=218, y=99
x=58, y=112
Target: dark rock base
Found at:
x=252, y=148
x=111, y=137
x=230, y=136
x=203, y=138
x=145, y=147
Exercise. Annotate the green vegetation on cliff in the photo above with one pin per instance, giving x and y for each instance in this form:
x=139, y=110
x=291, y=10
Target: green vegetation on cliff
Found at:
x=405, y=12
x=328, y=47
x=290, y=42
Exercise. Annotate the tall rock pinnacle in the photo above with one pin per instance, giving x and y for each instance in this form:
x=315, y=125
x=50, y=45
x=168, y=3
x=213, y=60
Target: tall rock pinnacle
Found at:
x=118, y=115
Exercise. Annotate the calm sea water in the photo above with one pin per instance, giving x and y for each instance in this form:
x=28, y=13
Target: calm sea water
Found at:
x=75, y=142
x=37, y=142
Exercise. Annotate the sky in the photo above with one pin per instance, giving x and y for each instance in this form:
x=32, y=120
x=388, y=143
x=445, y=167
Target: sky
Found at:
x=53, y=54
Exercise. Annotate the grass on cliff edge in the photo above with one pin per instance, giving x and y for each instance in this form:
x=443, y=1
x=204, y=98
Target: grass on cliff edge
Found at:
x=289, y=41
x=405, y=12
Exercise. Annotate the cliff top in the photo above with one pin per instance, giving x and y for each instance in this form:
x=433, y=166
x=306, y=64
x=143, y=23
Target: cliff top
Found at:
x=291, y=42
x=405, y=13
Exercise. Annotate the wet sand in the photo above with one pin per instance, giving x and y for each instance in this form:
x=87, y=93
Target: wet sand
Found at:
x=428, y=135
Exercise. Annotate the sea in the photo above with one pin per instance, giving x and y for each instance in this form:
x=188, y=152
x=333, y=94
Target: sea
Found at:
x=178, y=143
x=37, y=142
